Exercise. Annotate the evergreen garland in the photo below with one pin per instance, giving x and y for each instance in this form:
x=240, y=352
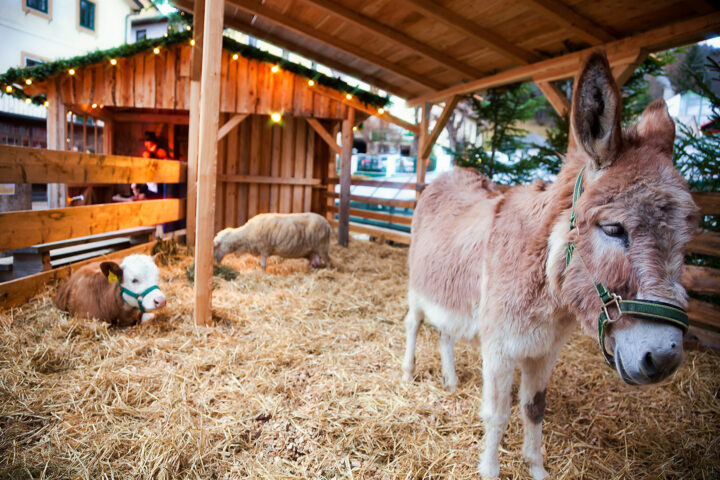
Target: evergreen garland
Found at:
x=15, y=78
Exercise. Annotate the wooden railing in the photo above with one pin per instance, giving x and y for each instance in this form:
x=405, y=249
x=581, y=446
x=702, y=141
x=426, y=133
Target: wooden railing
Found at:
x=30, y=227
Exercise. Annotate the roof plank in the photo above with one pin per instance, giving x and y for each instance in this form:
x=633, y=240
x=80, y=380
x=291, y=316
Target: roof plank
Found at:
x=573, y=21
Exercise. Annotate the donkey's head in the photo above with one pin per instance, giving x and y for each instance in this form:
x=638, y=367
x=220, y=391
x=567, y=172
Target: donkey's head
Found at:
x=633, y=219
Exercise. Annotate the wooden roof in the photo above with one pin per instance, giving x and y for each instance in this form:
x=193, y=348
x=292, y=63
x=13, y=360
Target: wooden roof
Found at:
x=427, y=50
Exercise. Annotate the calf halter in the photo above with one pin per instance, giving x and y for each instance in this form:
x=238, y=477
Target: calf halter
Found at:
x=645, y=309
x=112, y=278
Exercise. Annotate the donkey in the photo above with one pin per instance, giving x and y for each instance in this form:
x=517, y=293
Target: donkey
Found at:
x=517, y=271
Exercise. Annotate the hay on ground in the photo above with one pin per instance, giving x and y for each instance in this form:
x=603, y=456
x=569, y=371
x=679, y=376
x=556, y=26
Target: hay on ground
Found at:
x=299, y=378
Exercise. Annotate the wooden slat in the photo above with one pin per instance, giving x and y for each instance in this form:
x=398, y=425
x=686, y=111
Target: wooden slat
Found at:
x=377, y=232
x=299, y=160
x=687, y=31
x=439, y=126
x=309, y=164
x=374, y=215
x=253, y=191
x=34, y=165
x=471, y=29
x=287, y=167
x=31, y=227
x=706, y=243
x=701, y=280
x=325, y=135
x=265, y=159
x=357, y=105
x=380, y=30
x=231, y=190
x=275, y=164
x=16, y=292
x=170, y=85
x=557, y=98
x=380, y=184
x=230, y=124
x=303, y=29
x=709, y=203
x=378, y=201
x=704, y=314
x=573, y=21
x=243, y=168
x=220, y=169
x=172, y=118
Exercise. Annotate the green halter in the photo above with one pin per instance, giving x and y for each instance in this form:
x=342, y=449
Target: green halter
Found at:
x=137, y=296
x=645, y=309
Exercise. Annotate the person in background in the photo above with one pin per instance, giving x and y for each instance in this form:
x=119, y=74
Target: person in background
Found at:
x=139, y=192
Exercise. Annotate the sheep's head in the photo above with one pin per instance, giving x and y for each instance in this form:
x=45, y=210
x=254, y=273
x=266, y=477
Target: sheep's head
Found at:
x=223, y=245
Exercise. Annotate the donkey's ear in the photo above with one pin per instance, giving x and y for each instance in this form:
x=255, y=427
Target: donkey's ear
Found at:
x=596, y=112
x=656, y=127
x=112, y=272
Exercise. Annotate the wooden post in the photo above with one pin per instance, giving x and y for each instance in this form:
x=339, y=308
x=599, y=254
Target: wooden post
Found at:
x=194, y=128
x=207, y=159
x=56, y=139
x=345, y=174
x=422, y=140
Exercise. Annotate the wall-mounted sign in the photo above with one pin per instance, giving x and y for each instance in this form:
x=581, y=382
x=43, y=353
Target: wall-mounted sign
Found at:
x=7, y=189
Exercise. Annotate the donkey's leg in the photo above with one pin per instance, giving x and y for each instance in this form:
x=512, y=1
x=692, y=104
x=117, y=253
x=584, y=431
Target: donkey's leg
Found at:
x=413, y=319
x=263, y=261
x=533, y=387
x=497, y=390
x=447, y=356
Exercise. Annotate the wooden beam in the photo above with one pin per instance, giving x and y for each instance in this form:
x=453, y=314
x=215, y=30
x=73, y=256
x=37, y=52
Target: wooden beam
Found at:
x=557, y=98
x=377, y=232
x=702, y=280
x=31, y=227
x=379, y=216
x=56, y=138
x=269, y=180
x=207, y=159
x=300, y=28
x=573, y=21
x=422, y=140
x=709, y=202
x=34, y=165
x=345, y=178
x=439, y=126
x=380, y=184
x=461, y=23
x=566, y=66
x=622, y=73
x=390, y=202
x=705, y=243
x=317, y=57
x=16, y=292
x=357, y=105
x=704, y=314
x=230, y=124
x=380, y=30
x=173, y=119
x=194, y=118
x=325, y=135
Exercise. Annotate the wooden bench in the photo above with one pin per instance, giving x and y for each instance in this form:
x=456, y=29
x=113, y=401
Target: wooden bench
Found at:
x=30, y=260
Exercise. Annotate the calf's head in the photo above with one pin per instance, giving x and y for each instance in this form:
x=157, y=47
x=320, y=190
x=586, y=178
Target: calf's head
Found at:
x=137, y=276
x=634, y=219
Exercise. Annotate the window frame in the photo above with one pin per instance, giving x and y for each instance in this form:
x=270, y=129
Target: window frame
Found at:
x=83, y=28
x=39, y=13
x=24, y=56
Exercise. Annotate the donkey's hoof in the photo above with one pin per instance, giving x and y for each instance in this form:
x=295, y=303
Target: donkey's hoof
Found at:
x=408, y=376
x=489, y=467
x=538, y=472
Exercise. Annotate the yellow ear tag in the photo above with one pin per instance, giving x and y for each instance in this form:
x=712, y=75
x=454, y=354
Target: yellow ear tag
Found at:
x=112, y=278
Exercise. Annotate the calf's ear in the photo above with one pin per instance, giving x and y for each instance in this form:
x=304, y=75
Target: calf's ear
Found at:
x=112, y=272
x=596, y=112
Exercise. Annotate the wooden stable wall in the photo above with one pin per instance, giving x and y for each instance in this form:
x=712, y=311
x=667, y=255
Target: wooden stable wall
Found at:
x=162, y=81
x=270, y=167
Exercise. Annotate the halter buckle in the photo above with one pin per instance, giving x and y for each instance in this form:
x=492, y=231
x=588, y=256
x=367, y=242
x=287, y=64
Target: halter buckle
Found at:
x=614, y=300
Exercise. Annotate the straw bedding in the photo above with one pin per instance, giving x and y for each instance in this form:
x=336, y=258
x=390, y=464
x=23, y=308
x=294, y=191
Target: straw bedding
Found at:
x=299, y=378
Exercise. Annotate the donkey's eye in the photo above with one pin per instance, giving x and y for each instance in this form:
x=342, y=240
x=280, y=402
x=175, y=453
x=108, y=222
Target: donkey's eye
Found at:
x=614, y=230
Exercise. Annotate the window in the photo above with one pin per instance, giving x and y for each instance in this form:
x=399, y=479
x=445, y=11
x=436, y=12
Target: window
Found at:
x=41, y=8
x=31, y=62
x=87, y=14
x=39, y=5
x=140, y=35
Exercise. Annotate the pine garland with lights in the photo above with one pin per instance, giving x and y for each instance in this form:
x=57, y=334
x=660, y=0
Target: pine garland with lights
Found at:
x=12, y=81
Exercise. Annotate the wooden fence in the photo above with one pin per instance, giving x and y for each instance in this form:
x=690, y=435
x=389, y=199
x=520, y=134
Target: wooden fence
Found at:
x=27, y=228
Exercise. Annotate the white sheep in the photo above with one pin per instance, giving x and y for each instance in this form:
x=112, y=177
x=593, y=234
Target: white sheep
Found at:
x=290, y=235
